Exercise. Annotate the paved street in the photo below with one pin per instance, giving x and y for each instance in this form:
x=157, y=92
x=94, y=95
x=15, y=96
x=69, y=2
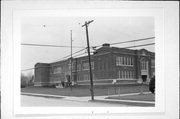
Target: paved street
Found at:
x=48, y=102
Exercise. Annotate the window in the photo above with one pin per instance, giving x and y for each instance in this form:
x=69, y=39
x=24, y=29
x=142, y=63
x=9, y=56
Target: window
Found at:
x=144, y=65
x=92, y=65
x=124, y=61
x=152, y=63
x=117, y=61
x=57, y=70
x=131, y=76
x=78, y=67
x=127, y=61
x=85, y=66
x=132, y=61
x=127, y=74
x=86, y=77
x=120, y=74
x=78, y=77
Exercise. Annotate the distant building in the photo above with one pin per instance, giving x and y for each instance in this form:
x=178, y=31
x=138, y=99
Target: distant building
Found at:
x=108, y=64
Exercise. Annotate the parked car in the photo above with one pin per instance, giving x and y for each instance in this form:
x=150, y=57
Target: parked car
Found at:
x=152, y=85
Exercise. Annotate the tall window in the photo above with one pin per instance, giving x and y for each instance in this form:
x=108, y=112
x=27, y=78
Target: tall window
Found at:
x=132, y=61
x=86, y=76
x=85, y=66
x=92, y=65
x=124, y=61
x=125, y=74
x=152, y=63
x=78, y=67
x=131, y=74
x=143, y=65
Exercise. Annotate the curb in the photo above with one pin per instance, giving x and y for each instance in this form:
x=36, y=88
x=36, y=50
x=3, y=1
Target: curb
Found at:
x=53, y=96
x=125, y=102
x=113, y=101
x=42, y=95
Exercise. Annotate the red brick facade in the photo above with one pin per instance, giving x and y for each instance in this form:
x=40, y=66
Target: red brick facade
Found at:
x=107, y=62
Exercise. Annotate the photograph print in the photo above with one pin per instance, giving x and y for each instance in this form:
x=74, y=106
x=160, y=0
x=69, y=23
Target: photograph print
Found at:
x=88, y=61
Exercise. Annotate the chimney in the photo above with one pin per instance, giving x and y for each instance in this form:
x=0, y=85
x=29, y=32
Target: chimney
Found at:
x=106, y=45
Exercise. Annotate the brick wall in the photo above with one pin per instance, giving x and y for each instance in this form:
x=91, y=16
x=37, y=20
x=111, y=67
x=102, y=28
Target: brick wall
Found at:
x=41, y=74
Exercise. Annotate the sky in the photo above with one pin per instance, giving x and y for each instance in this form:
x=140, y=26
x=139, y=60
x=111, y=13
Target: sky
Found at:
x=56, y=31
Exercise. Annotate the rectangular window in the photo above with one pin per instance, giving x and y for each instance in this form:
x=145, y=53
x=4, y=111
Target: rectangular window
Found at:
x=86, y=77
x=85, y=66
x=131, y=76
x=117, y=61
x=78, y=67
x=132, y=61
x=92, y=65
x=119, y=74
x=128, y=61
x=73, y=66
x=144, y=65
x=127, y=73
x=152, y=63
x=124, y=61
x=121, y=60
x=57, y=70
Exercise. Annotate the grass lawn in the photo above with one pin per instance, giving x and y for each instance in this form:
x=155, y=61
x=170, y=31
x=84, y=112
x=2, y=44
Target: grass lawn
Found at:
x=140, y=97
x=80, y=91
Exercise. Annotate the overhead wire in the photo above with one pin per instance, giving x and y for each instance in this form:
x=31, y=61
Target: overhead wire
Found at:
x=68, y=56
x=92, y=52
x=44, y=45
x=143, y=39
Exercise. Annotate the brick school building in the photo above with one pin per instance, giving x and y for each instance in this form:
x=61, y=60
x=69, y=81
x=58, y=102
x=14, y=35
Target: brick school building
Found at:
x=108, y=64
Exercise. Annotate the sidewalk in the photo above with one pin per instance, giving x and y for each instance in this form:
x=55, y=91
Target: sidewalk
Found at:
x=102, y=99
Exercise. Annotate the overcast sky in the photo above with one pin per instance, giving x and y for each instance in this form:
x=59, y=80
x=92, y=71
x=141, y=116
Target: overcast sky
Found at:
x=56, y=31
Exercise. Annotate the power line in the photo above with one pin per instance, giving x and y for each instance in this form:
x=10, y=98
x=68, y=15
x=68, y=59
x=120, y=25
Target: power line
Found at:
x=85, y=53
x=27, y=69
x=81, y=54
x=128, y=41
x=70, y=54
x=43, y=45
x=140, y=45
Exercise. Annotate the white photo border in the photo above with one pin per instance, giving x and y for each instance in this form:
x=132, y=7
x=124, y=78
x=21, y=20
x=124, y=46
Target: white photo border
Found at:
x=158, y=15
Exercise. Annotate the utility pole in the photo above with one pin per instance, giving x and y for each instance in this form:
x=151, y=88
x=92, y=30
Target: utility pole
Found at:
x=71, y=60
x=90, y=71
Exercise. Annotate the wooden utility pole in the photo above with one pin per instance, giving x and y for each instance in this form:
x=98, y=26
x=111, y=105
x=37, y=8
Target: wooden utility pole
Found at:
x=90, y=71
x=71, y=61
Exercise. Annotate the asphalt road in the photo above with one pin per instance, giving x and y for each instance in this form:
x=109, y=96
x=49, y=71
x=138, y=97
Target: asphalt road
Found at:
x=31, y=101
